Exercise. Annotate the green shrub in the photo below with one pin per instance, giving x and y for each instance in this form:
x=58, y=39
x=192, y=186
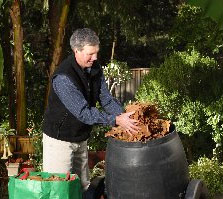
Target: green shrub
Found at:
x=98, y=170
x=193, y=30
x=97, y=140
x=4, y=109
x=215, y=118
x=192, y=118
x=186, y=88
x=196, y=146
x=211, y=172
x=35, y=130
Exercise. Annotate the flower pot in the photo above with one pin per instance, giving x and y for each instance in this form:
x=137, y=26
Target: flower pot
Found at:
x=13, y=168
x=94, y=157
x=156, y=169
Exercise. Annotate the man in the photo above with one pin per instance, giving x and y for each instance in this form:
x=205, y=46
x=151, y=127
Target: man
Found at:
x=77, y=85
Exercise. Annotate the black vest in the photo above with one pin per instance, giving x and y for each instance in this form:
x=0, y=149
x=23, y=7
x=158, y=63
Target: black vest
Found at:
x=58, y=122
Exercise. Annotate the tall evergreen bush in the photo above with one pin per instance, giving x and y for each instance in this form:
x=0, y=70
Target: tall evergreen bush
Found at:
x=187, y=88
x=192, y=29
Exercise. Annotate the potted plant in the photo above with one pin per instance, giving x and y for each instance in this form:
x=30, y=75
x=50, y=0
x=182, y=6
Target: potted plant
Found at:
x=13, y=167
x=97, y=145
x=115, y=73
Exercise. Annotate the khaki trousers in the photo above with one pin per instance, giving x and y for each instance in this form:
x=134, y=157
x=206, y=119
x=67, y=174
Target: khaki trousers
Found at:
x=61, y=157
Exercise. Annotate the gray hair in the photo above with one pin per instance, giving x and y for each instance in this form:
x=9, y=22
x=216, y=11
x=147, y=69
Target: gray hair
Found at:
x=83, y=37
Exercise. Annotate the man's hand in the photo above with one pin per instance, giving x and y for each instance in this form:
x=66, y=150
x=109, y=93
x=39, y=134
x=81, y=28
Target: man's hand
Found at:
x=130, y=125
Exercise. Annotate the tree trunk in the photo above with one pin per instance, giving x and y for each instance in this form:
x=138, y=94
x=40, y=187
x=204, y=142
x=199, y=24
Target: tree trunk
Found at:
x=6, y=49
x=58, y=46
x=54, y=10
x=113, y=50
x=19, y=66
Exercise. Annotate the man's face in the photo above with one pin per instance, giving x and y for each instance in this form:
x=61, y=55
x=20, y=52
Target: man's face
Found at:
x=86, y=57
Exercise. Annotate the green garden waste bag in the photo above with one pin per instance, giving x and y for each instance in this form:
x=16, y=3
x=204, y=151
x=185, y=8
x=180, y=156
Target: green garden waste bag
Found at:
x=26, y=186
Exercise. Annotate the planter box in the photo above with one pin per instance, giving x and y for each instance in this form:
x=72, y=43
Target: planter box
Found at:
x=19, y=144
x=25, y=144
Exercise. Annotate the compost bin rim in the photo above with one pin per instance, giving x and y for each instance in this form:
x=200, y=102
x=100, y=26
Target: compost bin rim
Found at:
x=152, y=142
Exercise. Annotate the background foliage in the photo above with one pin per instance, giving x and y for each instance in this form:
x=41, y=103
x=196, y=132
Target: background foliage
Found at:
x=1, y=68
x=177, y=41
x=134, y=27
x=211, y=171
x=187, y=86
x=193, y=30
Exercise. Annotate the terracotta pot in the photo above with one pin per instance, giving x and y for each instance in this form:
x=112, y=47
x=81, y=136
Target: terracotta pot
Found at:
x=94, y=157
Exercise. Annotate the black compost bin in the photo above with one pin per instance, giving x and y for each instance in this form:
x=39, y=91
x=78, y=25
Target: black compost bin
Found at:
x=157, y=169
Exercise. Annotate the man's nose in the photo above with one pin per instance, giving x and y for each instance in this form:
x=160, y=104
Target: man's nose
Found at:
x=94, y=57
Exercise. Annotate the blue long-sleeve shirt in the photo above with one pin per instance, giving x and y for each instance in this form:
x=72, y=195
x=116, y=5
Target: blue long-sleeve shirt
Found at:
x=75, y=102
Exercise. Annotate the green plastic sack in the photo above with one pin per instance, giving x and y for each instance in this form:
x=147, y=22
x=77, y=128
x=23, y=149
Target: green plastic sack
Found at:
x=33, y=189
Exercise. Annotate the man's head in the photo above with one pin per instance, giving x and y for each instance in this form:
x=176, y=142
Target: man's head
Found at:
x=85, y=45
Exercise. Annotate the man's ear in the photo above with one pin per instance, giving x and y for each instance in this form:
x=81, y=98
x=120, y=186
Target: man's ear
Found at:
x=75, y=50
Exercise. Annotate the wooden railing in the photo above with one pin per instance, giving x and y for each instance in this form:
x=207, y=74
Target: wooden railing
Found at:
x=126, y=91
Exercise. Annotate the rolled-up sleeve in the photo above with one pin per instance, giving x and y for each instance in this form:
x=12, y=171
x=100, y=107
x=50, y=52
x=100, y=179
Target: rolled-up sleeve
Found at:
x=75, y=102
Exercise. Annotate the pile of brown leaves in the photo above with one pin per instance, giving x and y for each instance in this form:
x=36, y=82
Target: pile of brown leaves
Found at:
x=38, y=177
x=52, y=178
x=151, y=126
